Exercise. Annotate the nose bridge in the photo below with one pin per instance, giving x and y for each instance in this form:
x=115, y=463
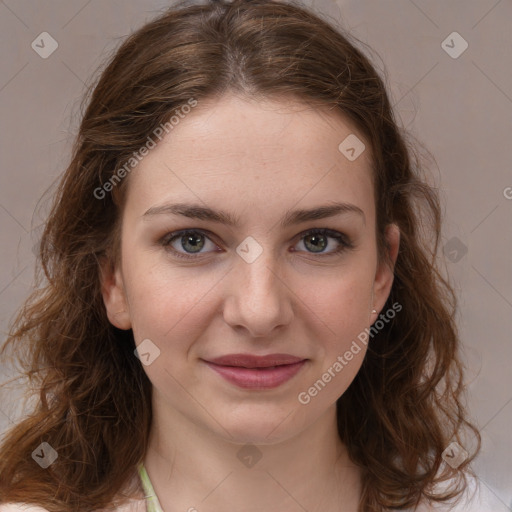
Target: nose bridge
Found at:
x=262, y=278
x=259, y=273
x=259, y=298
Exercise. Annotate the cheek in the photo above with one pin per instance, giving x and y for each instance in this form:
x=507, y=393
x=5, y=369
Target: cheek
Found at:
x=344, y=310
x=343, y=303
x=168, y=307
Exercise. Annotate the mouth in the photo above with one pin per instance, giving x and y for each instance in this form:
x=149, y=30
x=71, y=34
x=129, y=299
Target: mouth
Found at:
x=257, y=372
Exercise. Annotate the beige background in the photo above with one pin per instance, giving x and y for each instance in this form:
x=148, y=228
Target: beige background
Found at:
x=461, y=108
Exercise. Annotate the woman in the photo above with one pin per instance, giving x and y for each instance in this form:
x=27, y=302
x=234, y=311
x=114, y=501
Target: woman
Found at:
x=240, y=309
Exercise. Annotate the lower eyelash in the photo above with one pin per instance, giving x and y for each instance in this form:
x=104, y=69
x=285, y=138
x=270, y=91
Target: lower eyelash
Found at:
x=343, y=240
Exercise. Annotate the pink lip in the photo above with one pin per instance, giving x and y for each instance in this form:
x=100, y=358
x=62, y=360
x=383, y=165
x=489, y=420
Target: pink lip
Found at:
x=257, y=372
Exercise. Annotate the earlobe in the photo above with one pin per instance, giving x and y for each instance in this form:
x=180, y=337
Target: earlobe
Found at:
x=114, y=298
x=385, y=273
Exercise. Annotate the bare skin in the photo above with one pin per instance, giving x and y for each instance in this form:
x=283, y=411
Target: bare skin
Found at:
x=257, y=161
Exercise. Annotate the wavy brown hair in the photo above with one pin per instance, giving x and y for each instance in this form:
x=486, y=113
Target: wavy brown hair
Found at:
x=93, y=396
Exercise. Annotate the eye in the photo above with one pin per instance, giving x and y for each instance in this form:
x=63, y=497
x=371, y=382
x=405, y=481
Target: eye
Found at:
x=318, y=239
x=192, y=241
x=315, y=241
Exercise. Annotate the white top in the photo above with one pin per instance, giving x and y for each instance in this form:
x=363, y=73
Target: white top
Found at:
x=483, y=500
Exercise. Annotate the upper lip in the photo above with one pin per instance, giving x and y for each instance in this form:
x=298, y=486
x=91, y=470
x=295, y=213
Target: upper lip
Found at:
x=252, y=361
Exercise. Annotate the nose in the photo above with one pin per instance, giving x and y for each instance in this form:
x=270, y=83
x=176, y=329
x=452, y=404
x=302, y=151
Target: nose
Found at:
x=258, y=298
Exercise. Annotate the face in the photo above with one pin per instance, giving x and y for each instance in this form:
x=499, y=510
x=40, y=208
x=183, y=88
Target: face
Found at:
x=267, y=266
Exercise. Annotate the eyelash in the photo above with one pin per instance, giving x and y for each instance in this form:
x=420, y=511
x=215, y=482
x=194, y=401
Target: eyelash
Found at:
x=343, y=240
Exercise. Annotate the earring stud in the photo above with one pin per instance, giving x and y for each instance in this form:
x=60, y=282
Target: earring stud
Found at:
x=374, y=311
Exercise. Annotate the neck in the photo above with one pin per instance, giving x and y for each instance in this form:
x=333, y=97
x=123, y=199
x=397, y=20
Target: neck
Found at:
x=192, y=468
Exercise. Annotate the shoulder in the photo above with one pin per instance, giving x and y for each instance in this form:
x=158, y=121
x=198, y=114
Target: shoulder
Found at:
x=478, y=497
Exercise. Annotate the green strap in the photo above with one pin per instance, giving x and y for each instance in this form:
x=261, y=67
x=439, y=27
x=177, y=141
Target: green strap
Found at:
x=152, y=503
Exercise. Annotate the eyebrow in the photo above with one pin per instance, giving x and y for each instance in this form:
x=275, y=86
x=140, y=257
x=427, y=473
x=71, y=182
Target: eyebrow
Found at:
x=195, y=211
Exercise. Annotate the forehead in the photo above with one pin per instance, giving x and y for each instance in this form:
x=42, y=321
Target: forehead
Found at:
x=255, y=150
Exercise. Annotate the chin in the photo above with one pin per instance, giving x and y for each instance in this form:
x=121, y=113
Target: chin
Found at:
x=261, y=428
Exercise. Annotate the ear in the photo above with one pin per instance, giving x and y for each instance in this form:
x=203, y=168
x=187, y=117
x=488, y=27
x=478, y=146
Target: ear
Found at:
x=385, y=272
x=114, y=297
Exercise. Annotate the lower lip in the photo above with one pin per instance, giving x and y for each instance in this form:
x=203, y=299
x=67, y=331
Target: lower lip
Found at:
x=257, y=378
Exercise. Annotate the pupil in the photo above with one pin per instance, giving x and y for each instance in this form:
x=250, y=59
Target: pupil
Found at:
x=195, y=241
x=319, y=243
